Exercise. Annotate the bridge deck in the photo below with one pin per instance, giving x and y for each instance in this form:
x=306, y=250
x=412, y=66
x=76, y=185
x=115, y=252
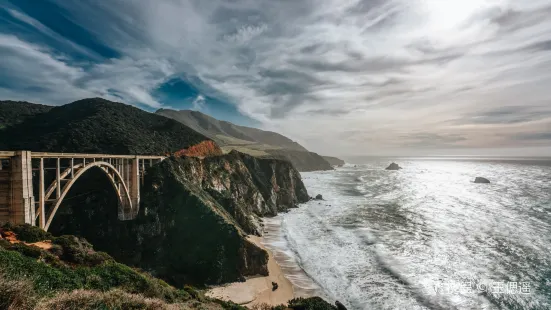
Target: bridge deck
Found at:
x=9, y=154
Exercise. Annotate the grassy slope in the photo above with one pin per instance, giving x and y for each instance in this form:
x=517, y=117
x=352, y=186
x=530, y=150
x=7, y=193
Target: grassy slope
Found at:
x=230, y=134
x=72, y=275
x=249, y=140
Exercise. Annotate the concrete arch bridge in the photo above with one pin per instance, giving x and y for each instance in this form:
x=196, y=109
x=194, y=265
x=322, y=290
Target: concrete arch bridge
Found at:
x=34, y=184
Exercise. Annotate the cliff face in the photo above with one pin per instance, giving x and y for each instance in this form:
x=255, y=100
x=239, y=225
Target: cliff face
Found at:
x=194, y=217
x=246, y=186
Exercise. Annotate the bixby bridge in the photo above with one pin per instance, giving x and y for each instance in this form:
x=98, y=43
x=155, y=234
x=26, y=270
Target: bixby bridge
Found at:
x=34, y=184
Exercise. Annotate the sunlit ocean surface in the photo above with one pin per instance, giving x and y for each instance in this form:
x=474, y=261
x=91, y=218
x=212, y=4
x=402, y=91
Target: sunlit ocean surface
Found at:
x=425, y=237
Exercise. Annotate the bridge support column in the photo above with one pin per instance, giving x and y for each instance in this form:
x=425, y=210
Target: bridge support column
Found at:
x=22, y=209
x=134, y=185
x=130, y=172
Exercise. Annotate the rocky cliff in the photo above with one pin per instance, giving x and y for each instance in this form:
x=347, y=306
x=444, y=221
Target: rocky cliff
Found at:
x=194, y=217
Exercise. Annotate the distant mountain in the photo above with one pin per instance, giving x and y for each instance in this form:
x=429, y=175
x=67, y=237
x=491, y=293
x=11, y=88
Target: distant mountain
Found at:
x=334, y=161
x=249, y=140
x=94, y=126
x=227, y=133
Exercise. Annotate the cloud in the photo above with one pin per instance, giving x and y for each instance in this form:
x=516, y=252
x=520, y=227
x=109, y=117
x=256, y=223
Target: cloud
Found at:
x=508, y=115
x=395, y=74
x=199, y=103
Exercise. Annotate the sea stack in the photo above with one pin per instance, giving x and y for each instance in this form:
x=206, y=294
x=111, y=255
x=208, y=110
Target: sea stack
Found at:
x=481, y=180
x=393, y=166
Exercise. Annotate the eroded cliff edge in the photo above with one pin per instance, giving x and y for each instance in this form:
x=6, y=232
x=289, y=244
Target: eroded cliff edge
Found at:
x=194, y=217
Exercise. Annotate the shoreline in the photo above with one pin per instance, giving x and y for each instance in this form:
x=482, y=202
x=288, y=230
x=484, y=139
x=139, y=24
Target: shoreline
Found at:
x=257, y=290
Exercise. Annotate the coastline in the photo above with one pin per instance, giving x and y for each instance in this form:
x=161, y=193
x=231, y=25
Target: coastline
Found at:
x=257, y=290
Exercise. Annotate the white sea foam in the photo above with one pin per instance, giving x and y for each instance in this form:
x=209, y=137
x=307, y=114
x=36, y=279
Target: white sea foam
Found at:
x=385, y=239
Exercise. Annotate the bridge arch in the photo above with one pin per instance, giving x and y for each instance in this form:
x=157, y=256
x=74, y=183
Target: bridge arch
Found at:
x=21, y=202
x=71, y=175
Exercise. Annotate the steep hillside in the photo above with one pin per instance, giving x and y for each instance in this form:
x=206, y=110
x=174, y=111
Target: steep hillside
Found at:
x=303, y=161
x=98, y=126
x=334, y=161
x=15, y=112
x=227, y=133
x=40, y=271
x=249, y=140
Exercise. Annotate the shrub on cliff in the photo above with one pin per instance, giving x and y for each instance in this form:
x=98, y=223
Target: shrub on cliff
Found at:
x=312, y=303
x=27, y=233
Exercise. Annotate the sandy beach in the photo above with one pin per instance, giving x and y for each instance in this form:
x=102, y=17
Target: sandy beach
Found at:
x=257, y=290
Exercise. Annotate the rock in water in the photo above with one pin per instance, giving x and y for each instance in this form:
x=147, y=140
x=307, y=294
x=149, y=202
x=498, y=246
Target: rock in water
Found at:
x=339, y=305
x=481, y=180
x=393, y=166
x=319, y=197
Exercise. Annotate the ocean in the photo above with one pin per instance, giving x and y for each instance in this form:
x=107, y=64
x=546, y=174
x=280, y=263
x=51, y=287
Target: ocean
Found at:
x=425, y=237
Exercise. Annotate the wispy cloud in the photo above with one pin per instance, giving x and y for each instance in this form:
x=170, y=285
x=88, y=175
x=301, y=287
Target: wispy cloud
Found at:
x=395, y=74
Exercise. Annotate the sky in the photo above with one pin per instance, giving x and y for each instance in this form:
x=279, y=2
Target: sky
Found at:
x=341, y=77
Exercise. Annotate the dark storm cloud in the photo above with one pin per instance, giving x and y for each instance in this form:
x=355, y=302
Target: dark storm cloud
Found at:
x=428, y=139
x=506, y=115
x=534, y=136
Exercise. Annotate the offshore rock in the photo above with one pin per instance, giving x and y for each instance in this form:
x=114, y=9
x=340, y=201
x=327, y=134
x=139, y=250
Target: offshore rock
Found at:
x=393, y=166
x=481, y=180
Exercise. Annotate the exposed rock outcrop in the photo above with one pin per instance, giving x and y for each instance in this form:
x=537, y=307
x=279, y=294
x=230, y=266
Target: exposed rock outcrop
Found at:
x=203, y=149
x=393, y=166
x=481, y=180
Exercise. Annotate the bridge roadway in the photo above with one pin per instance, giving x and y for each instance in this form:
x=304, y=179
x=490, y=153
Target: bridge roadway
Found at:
x=24, y=176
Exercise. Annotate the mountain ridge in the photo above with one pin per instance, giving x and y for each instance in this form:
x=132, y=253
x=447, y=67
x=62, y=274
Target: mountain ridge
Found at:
x=94, y=125
x=210, y=126
x=252, y=141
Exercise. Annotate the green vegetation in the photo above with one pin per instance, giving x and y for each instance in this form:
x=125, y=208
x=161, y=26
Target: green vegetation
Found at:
x=96, y=126
x=313, y=303
x=15, y=112
x=244, y=149
x=71, y=274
